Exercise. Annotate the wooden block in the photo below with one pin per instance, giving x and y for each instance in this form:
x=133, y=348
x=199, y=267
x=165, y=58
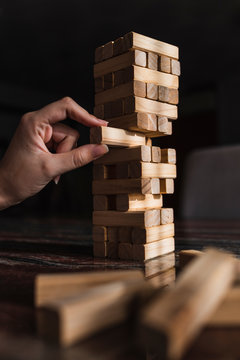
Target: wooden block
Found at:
x=100, y=203
x=140, y=58
x=152, y=91
x=168, y=156
x=159, y=265
x=145, y=218
x=141, y=122
x=69, y=320
x=166, y=216
x=173, y=96
x=153, y=134
x=172, y=321
x=55, y=286
x=163, y=94
x=163, y=279
x=123, y=76
x=164, y=64
x=138, y=41
x=135, y=87
x=121, y=170
x=175, y=67
x=100, y=249
x=142, y=252
x=99, y=233
x=107, y=50
x=166, y=186
x=113, y=108
x=125, y=251
x=118, y=46
x=117, y=137
x=145, y=170
x=99, y=172
x=99, y=85
x=112, y=233
x=115, y=156
x=125, y=234
x=155, y=77
x=186, y=256
x=112, y=249
x=155, y=233
x=108, y=82
x=156, y=154
x=163, y=124
x=99, y=54
x=152, y=61
x=125, y=186
x=136, y=202
x=99, y=111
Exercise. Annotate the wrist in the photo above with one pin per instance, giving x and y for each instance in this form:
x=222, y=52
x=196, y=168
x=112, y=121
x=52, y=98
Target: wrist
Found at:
x=6, y=200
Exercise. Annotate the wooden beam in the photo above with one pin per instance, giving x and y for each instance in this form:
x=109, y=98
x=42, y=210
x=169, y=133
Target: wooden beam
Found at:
x=138, y=202
x=142, y=252
x=125, y=186
x=148, y=235
x=144, y=170
x=114, y=156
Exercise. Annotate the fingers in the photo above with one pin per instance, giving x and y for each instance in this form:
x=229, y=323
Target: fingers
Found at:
x=76, y=158
x=64, y=138
x=67, y=107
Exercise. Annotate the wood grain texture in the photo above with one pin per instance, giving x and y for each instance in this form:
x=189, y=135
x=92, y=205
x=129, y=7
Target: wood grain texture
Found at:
x=138, y=202
x=152, y=61
x=125, y=186
x=141, y=122
x=152, y=91
x=164, y=64
x=156, y=154
x=113, y=136
x=143, y=252
x=175, y=67
x=114, y=156
x=155, y=233
x=145, y=218
x=152, y=170
x=166, y=186
x=168, y=156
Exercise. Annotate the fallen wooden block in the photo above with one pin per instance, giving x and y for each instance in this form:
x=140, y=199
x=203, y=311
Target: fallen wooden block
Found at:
x=142, y=252
x=68, y=320
x=117, y=137
x=151, y=234
x=145, y=170
x=136, y=202
x=54, y=286
x=145, y=218
x=141, y=153
x=171, y=322
x=126, y=186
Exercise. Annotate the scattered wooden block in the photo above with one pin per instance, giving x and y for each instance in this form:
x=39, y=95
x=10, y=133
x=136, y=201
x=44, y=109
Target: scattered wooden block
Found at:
x=108, y=82
x=168, y=156
x=125, y=251
x=156, y=154
x=99, y=84
x=135, y=202
x=164, y=64
x=100, y=234
x=115, y=156
x=155, y=233
x=71, y=319
x=142, y=252
x=152, y=91
x=112, y=249
x=171, y=322
x=141, y=122
x=152, y=61
x=145, y=218
x=107, y=51
x=166, y=186
x=163, y=279
x=100, y=249
x=125, y=186
x=125, y=234
x=145, y=170
x=100, y=203
x=117, y=137
x=175, y=67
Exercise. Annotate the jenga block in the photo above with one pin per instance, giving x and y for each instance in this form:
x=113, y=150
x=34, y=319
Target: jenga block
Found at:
x=166, y=216
x=142, y=252
x=113, y=108
x=121, y=170
x=118, y=46
x=140, y=58
x=99, y=233
x=99, y=172
x=99, y=84
x=125, y=186
x=108, y=82
x=144, y=170
x=156, y=154
x=163, y=279
x=99, y=111
x=151, y=234
x=163, y=94
x=74, y=318
x=155, y=77
x=99, y=54
x=100, y=249
x=117, y=137
x=107, y=51
x=55, y=286
x=164, y=64
x=114, y=156
x=153, y=134
x=166, y=186
x=112, y=249
x=112, y=233
x=168, y=156
x=135, y=87
x=152, y=61
x=163, y=124
x=141, y=122
x=173, y=96
x=125, y=234
x=145, y=218
x=135, y=202
x=159, y=265
x=100, y=203
x=152, y=91
x=186, y=256
x=175, y=67
x=197, y=293
x=125, y=251
x=148, y=141
x=138, y=41
x=123, y=76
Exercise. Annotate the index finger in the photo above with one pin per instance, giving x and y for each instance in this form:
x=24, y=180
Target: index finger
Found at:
x=68, y=108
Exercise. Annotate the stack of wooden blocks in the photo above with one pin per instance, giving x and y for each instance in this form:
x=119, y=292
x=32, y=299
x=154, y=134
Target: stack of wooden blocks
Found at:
x=136, y=91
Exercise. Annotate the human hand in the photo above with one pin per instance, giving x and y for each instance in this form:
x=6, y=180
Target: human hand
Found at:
x=28, y=165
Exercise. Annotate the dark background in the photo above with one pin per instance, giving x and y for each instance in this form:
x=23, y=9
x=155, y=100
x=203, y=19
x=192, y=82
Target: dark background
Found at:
x=47, y=51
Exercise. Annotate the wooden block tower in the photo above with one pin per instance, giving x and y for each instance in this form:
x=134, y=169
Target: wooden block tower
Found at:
x=136, y=90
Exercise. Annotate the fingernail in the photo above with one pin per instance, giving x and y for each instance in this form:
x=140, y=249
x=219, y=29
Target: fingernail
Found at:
x=103, y=122
x=100, y=150
x=56, y=179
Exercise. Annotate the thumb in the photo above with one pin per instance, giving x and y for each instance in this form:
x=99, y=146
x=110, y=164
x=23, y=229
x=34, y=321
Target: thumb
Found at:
x=76, y=158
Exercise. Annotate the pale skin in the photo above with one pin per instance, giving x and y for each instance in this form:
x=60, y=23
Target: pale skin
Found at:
x=29, y=165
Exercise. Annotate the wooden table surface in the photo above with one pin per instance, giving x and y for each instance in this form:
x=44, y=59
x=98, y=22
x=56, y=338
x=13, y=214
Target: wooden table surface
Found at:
x=29, y=247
